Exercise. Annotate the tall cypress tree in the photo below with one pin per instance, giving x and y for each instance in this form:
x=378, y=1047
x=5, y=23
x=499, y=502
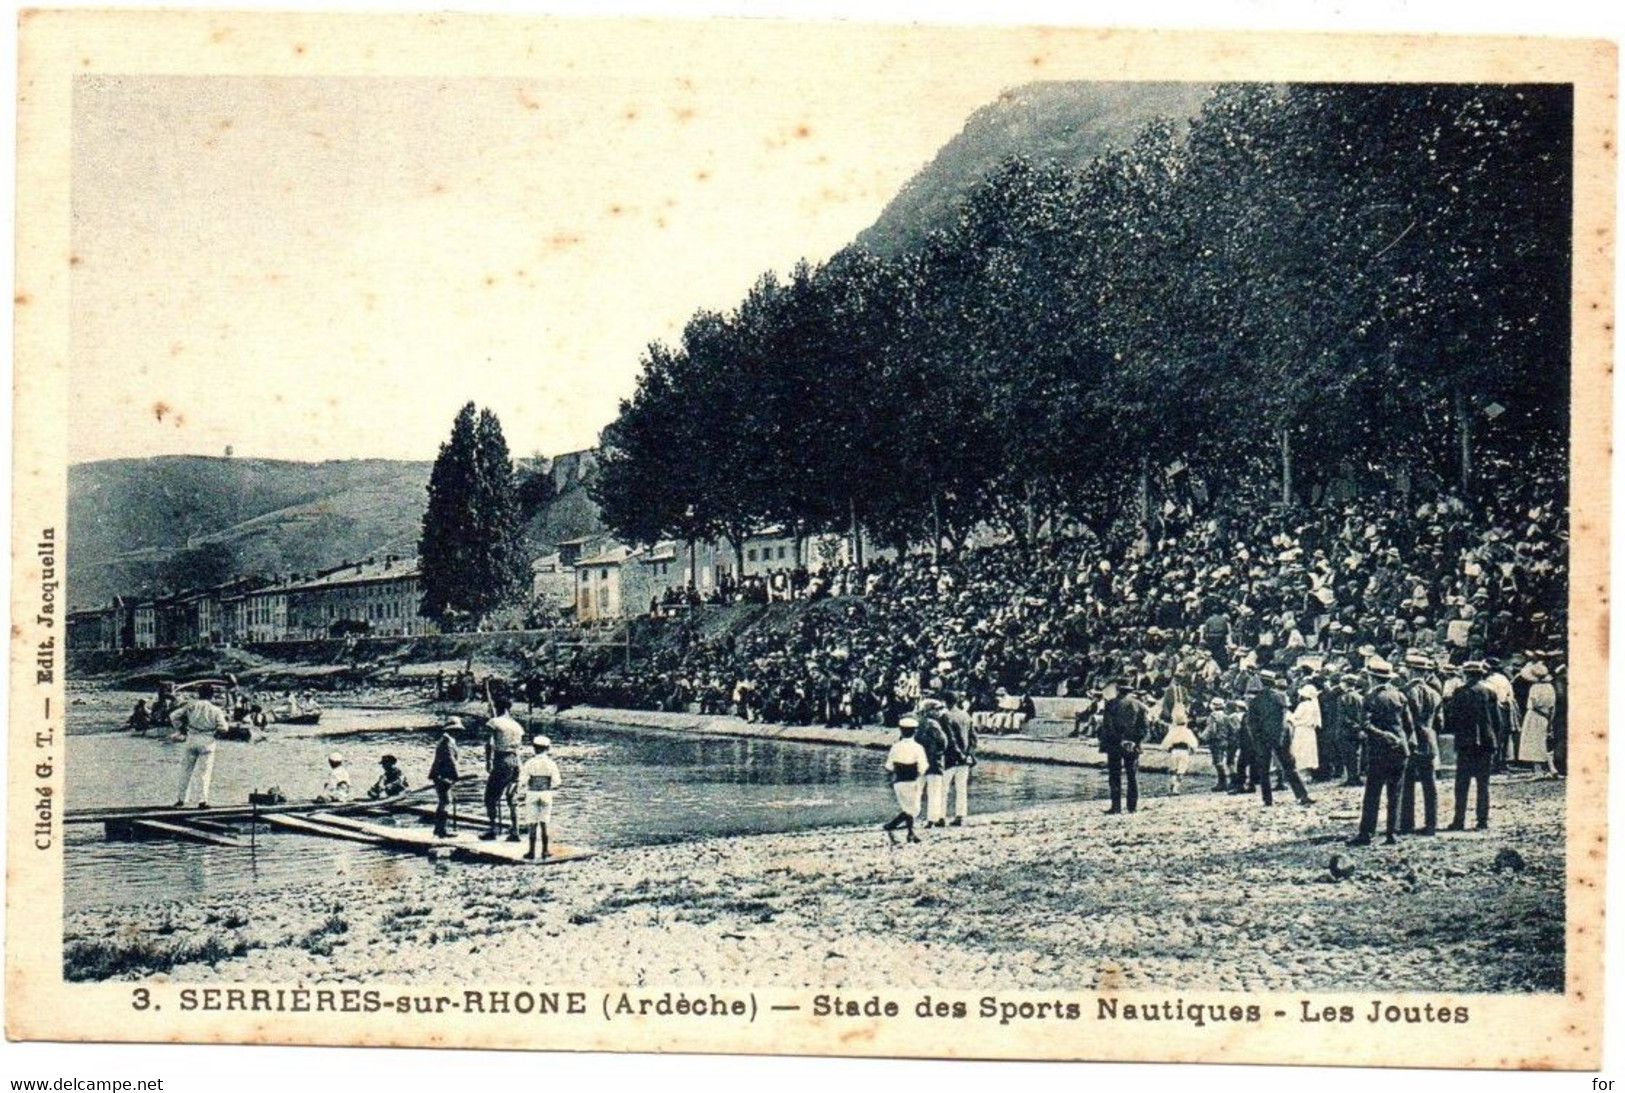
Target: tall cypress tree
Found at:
x=499, y=557
x=470, y=549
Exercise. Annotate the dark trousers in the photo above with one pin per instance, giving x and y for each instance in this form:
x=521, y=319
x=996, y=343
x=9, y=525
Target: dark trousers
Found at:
x=1473, y=766
x=1419, y=772
x=1353, y=760
x=1243, y=769
x=1332, y=748
x=499, y=785
x=1383, y=773
x=1118, y=766
x=1269, y=754
x=442, y=803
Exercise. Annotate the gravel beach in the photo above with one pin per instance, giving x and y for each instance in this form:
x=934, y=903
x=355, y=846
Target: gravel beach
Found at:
x=1204, y=890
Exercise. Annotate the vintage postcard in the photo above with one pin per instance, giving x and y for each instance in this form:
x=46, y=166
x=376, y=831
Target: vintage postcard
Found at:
x=772, y=537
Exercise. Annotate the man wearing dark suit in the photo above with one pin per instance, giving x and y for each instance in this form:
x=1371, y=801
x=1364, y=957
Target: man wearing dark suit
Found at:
x=443, y=774
x=1388, y=735
x=1266, y=729
x=1351, y=722
x=1331, y=731
x=1472, y=715
x=1424, y=702
x=1124, y=725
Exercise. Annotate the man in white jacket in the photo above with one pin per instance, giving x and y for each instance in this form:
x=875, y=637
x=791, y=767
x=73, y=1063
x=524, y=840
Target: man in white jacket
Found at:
x=906, y=763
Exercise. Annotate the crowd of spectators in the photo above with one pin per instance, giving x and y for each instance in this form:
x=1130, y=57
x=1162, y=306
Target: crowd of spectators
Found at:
x=1189, y=607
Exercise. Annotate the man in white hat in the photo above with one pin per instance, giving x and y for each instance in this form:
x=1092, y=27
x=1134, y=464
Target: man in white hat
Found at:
x=906, y=762
x=538, y=778
x=337, y=787
x=1388, y=748
x=443, y=773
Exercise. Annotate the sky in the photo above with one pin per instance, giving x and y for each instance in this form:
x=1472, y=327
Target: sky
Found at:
x=328, y=267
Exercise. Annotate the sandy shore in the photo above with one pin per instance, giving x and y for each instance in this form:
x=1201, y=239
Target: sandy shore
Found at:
x=1199, y=891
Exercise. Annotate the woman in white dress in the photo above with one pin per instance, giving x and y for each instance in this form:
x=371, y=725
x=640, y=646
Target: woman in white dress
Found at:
x=1305, y=723
x=1537, y=720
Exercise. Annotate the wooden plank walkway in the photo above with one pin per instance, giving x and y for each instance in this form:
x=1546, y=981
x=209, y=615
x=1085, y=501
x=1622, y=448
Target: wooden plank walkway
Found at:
x=461, y=845
x=330, y=820
x=240, y=813
x=157, y=829
x=303, y=826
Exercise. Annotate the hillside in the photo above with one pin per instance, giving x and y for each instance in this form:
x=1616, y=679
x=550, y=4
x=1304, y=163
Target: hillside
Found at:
x=1072, y=123
x=142, y=526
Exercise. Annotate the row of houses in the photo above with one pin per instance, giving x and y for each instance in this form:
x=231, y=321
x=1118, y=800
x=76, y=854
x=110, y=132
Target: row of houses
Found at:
x=595, y=578
x=589, y=579
x=375, y=596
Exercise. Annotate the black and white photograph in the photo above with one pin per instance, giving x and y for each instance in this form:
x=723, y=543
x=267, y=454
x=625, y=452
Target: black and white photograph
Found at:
x=1072, y=558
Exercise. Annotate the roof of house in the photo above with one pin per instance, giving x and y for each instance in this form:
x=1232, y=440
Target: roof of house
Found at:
x=363, y=573
x=661, y=552
x=614, y=556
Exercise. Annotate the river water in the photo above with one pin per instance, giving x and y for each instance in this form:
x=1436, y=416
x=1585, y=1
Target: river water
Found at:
x=621, y=787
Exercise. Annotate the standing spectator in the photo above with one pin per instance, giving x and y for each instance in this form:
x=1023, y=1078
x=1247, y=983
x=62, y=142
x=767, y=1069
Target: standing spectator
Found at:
x=1306, y=729
x=1331, y=732
x=1388, y=734
x=1180, y=743
x=961, y=755
x=443, y=773
x=1507, y=718
x=1221, y=734
x=1267, y=733
x=1124, y=726
x=196, y=721
x=906, y=763
x=1472, y=717
x=1217, y=636
x=538, y=779
x=1560, y=721
x=1537, y=720
x=502, y=740
x=931, y=736
x=1351, y=729
x=1424, y=702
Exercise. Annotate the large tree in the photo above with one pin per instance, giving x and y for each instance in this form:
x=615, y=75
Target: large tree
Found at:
x=470, y=550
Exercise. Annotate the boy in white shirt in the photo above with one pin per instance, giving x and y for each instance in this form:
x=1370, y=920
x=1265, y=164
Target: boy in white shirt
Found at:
x=906, y=762
x=337, y=787
x=538, y=778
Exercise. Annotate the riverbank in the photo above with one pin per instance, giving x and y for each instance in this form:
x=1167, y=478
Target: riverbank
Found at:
x=1199, y=891
x=1067, y=751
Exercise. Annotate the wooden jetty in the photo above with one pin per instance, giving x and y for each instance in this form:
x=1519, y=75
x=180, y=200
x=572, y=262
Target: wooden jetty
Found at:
x=224, y=826
x=464, y=844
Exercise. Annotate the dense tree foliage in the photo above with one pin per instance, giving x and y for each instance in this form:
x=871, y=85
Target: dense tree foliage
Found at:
x=471, y=550
x=1309, y=278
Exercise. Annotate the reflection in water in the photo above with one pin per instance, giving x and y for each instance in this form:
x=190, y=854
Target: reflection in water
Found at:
x=621, y=787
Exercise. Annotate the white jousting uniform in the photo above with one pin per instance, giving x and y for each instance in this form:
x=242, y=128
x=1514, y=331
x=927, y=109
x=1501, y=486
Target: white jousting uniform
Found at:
x=907, y=762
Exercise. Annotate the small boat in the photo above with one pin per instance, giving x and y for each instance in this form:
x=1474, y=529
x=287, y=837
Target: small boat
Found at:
x=302, y=717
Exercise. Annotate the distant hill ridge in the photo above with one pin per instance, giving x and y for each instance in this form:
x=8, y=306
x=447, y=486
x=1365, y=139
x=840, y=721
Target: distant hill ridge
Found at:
x=144, y=526
x=139, y=527
x=1066, y=122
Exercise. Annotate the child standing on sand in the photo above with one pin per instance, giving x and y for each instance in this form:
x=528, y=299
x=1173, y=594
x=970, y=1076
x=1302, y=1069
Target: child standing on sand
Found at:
x=538, y=778
x=1179, y=743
